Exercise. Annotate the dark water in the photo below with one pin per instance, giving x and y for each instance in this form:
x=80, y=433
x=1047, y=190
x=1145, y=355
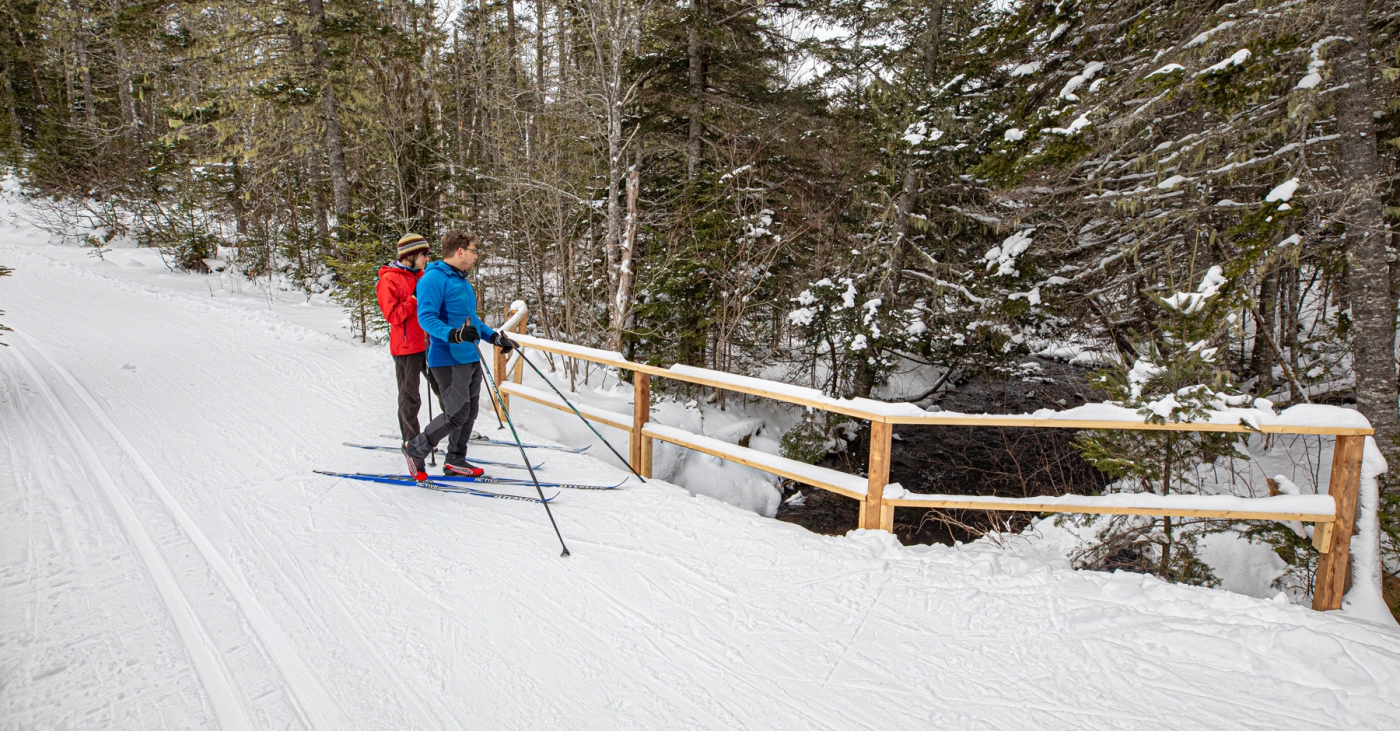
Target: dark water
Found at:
x=970, y=460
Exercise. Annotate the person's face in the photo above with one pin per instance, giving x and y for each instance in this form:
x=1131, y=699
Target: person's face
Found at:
x=465, y=258
x=420, y=259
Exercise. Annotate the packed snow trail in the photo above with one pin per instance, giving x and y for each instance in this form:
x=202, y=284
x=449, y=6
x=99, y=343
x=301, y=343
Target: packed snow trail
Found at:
x=209, y=663
x=321, y=712
x=329, y=603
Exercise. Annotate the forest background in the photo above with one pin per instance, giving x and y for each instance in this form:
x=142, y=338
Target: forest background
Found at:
x=1195, y=197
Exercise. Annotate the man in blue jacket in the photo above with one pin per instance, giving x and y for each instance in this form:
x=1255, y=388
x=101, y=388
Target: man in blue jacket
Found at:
x=447, y=312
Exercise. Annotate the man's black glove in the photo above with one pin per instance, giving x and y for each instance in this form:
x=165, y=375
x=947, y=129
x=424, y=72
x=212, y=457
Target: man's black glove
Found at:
x=464, y=334
x=500, y=340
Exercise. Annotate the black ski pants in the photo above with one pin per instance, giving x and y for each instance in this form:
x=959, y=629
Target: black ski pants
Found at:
x=460, y=388
x=407, y=368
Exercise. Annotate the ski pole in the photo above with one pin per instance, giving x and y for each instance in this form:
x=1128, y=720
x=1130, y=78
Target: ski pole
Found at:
x=576, y=413
x=499, y=425
x=432, y=456
x=500, y=402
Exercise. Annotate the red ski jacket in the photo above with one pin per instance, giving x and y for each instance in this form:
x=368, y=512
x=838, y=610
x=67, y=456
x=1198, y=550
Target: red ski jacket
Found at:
x=400, y=308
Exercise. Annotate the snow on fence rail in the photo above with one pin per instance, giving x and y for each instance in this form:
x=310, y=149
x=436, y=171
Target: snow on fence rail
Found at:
x=1334, y=513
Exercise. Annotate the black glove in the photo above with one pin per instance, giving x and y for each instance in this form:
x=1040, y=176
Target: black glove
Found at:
x=464, y=334
x=500, y=340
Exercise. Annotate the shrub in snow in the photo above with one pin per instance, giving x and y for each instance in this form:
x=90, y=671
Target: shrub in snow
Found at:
x=851, y=330
x=1174, y=376
x=816, y=435
x=183, y=239
x=356, y=269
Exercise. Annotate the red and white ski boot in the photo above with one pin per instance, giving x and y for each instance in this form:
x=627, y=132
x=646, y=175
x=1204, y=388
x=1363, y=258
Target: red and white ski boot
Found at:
x=416, y=467
x=461, y=468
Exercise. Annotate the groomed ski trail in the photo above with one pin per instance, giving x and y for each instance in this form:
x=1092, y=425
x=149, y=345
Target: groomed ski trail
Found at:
x=318, y=710
x=208, y=662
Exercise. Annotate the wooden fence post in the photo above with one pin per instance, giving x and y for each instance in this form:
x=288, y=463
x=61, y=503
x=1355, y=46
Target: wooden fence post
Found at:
x=638, y=446
x=1343, y=486
x=519, y=374
x=498, y=373
x=874, y=513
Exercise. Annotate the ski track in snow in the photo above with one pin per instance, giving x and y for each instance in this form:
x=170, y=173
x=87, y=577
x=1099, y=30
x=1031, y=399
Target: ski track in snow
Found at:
x=290, y=600
x=320, y=712
x=208, y=662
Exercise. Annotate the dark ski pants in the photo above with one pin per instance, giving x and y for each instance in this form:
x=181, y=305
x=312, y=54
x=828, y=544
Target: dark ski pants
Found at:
x=460, y=389
x=407, y=368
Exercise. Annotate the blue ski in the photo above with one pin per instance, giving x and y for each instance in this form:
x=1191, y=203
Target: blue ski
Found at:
x=479, y=439
x=473, y=460
x=493, y=481
x=405, y=481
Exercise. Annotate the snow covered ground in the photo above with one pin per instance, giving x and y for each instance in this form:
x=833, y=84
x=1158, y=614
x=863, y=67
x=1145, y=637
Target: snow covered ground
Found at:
x=168, y=560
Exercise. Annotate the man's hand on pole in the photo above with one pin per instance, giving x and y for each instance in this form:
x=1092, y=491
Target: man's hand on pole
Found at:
x=465, y=334
x=500, y=340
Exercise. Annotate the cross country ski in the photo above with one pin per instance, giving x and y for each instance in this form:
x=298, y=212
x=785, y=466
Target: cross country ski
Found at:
x=397, y=450
x=406, y=481
x=481, y=440
x=483, y=480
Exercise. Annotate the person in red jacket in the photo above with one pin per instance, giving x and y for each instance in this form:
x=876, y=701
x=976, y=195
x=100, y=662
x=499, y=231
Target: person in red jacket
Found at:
x=407, y=341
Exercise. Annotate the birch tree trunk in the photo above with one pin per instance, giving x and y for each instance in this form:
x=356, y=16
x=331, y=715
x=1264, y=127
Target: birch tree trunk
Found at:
x=128, y=105
x=1368, y=268
x=622, y=300
x=612, y=224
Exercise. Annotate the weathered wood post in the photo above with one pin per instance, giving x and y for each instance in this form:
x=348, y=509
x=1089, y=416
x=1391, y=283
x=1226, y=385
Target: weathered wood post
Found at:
x=1344, y=485
x=638, y=445
x=874, y=513
x=518, y=374
x=498, y=372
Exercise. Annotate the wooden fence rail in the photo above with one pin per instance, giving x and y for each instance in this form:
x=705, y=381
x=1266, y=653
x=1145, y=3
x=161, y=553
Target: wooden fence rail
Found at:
x=1333, y=514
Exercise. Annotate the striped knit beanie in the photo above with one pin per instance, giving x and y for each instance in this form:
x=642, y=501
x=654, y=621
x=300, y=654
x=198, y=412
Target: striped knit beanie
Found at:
x=411, y=243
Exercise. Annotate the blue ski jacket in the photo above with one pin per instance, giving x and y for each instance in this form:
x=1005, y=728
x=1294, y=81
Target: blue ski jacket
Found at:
x=446, y=301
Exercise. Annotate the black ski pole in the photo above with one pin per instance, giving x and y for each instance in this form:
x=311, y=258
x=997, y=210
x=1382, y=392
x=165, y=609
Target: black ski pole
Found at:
x=432, y=456
x=496, y=394
x=576, y=413
x=499, y=425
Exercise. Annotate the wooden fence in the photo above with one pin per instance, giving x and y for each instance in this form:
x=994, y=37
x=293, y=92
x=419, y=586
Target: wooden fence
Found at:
x=1333, y=515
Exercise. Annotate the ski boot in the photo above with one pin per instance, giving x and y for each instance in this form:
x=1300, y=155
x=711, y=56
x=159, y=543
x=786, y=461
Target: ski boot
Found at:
x=417, y=469
x=461, y=468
